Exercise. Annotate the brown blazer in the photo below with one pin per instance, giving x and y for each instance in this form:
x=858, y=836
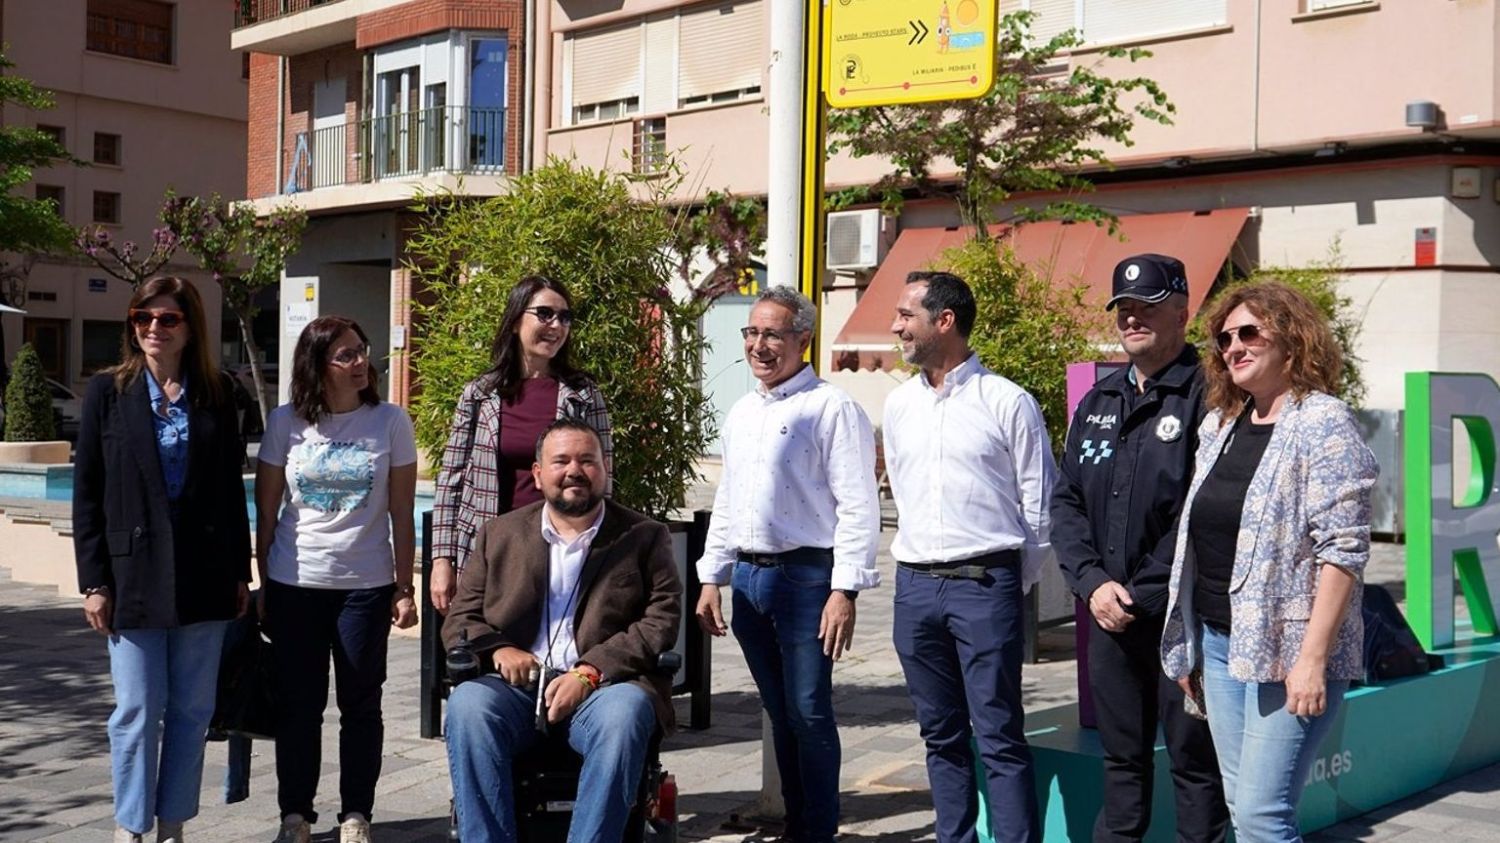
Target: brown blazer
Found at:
x=629, y=596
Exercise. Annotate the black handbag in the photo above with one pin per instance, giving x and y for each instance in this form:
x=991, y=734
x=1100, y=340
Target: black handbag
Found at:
x=246, y=702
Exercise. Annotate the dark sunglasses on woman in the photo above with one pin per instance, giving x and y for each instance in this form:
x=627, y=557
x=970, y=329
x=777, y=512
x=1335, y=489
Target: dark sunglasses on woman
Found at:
x=548, y=315
x=168, y=319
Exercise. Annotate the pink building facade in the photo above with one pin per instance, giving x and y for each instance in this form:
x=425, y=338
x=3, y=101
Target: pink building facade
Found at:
x=148, y=94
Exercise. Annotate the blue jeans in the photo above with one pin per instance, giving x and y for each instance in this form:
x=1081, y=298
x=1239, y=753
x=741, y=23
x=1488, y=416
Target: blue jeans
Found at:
x=777, y=611
x=490, y=723
x=306, y=625
x=166, y=681
x=1265, y=752
x=961, y=643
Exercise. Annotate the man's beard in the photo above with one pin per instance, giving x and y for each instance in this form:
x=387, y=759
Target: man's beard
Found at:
x=574, y=505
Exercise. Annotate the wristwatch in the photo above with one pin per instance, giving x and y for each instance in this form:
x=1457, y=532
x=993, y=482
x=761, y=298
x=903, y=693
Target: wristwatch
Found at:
x=849, y=593
x=406, y=590
x=98, y=589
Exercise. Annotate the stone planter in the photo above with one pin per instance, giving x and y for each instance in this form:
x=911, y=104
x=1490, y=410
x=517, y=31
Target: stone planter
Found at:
x=52, y=452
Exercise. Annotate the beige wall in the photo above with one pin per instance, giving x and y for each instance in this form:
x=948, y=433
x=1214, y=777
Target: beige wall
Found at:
x=181, y=126
x=1286, y=83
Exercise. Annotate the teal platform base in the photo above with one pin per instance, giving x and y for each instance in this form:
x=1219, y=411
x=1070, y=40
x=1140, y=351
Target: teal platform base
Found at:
x=1390, y=741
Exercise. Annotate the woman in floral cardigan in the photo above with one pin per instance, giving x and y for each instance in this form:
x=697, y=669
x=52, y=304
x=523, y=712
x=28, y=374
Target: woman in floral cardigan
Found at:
x=1275, y=533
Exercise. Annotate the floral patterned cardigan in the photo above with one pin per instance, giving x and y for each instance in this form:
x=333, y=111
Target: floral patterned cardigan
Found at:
x=1308, y=505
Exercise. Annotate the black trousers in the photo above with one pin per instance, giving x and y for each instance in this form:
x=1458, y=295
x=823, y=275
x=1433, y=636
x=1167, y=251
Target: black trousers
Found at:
x=1131, y=698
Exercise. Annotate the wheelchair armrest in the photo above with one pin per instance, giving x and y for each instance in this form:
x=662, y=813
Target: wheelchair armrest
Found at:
x=668, y=662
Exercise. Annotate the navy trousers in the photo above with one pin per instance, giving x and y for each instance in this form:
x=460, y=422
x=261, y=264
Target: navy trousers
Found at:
x=960, y=642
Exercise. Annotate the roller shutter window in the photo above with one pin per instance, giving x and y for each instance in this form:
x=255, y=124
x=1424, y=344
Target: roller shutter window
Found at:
x=606, y=73
x=721, y=52
x=1106, y=21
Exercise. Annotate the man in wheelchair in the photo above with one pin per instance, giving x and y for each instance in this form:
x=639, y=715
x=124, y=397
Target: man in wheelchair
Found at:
x=567, y=604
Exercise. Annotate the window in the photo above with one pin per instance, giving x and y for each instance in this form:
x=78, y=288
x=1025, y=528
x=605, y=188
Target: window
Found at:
x=101, y=345
x=1324, y=5
x=606, y=68
x=718, y=55
x=648, y=147
x=137, y=29
x=53, y=193
x=611, y=110
x=106, y=149
x=57, y=133
x=106, y=207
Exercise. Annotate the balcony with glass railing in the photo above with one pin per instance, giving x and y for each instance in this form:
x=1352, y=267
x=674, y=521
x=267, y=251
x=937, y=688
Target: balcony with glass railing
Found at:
x=404, y=146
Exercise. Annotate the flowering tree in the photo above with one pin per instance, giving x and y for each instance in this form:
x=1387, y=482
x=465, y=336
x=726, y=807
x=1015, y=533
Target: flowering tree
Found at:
x=246, y=254
x=124, y=259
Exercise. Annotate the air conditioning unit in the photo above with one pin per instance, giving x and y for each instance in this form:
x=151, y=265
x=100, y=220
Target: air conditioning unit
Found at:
x=857, y=240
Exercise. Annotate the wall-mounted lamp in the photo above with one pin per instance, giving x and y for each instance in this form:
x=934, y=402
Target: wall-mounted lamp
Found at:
x=1422, y=114
x=1330, y=149
x=1177, y=163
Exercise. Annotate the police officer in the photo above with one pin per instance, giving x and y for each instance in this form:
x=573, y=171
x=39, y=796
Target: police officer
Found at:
x=1124, y=475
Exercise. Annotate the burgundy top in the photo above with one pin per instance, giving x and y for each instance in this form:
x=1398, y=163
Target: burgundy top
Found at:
x=522, y=420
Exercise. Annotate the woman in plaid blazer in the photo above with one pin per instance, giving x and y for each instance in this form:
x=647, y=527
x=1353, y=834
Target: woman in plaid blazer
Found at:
x=486, y=467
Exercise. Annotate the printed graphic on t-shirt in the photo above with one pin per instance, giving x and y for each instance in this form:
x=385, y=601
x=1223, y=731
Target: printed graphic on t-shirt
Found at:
x=334, y=476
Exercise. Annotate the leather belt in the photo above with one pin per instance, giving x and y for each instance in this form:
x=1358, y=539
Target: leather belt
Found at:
x=795, y=556
x=965, y=569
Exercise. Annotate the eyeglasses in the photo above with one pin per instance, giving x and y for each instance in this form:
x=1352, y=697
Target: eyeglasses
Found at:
x=771, y=337
x=1250, y=336
x=548, y=315
x=349, y=356
x=168, y=319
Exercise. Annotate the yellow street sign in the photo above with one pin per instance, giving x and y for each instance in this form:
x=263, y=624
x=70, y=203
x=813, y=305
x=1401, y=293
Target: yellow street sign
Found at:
x=897, y=52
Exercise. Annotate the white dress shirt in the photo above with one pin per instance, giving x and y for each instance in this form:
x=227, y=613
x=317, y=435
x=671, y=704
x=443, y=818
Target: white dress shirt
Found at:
x=970, y=468
x=799, y=471
x=554, y=646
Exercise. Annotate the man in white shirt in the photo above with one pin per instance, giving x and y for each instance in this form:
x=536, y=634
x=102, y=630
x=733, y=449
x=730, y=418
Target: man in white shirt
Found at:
x=795, y=528
x=971, y=471
x=578, y=584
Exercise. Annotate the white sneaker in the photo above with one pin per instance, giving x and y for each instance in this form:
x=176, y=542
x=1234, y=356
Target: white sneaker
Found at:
x=294, y=829
x=168, y=832
x=123, y=835
x=354, y=829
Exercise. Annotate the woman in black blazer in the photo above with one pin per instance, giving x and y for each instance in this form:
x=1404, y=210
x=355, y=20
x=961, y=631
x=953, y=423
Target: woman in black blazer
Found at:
x=162, y=541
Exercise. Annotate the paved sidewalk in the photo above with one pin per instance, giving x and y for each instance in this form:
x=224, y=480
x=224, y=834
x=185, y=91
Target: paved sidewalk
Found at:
x=54, y=773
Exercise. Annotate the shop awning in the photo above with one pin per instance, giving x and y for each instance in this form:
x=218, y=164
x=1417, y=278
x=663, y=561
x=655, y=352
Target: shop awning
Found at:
x=1062, y=251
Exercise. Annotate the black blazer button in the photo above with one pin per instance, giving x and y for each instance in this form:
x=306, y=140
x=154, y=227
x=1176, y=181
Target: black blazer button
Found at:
x=137, y=532
x=208, y=528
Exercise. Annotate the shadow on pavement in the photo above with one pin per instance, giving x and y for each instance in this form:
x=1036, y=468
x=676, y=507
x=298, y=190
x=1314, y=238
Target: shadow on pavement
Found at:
x=857, y=809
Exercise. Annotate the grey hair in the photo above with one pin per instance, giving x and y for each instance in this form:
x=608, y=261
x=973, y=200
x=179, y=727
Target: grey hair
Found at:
x=804, y=312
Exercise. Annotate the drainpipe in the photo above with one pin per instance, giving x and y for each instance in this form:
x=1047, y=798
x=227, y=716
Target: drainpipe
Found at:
x=1255, y=88
x=528, y=85
x=540, y=85
x=280, y=123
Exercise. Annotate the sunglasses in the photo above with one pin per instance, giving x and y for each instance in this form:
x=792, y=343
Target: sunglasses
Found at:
x=548, y=315
x=168, y=319
x=1249, y=336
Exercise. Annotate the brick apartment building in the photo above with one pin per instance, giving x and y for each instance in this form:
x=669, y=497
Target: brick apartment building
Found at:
x=149, y=95
x=355, y=107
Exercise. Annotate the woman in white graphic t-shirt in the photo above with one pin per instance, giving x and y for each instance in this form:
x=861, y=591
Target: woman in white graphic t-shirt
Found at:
x=335, y=543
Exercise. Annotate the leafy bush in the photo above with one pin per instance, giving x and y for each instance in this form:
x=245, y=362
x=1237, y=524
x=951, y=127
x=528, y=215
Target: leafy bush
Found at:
x=28, y=402
x=592, y=231
x=1319, y=281
x=1028, y=327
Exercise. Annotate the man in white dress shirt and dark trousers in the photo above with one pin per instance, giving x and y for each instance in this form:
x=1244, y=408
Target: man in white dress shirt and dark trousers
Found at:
x=794, y=532
x=971, y=470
